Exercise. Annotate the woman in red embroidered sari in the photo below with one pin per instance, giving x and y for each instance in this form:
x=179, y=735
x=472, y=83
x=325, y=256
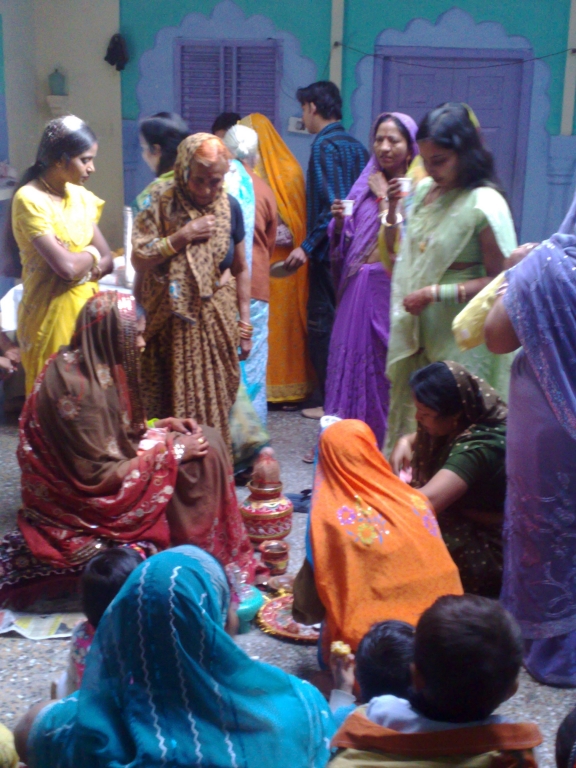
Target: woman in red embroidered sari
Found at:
x=93, y=476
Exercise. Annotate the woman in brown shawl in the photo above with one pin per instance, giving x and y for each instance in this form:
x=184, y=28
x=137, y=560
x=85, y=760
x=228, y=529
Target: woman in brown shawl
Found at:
x=189, y=244
x=457, y=458
x=94, y=475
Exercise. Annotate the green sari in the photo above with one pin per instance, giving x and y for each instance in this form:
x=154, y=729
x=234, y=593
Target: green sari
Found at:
x=143, y=200
x=438, y=235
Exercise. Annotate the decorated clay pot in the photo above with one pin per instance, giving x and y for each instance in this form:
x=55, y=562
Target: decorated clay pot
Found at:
x=275, y=556
x=267, y=513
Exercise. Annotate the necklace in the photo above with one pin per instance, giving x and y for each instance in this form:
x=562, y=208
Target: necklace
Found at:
x=49, y=188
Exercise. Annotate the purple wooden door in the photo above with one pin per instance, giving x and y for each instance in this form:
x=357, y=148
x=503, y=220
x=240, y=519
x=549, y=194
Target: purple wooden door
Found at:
x=495, y=83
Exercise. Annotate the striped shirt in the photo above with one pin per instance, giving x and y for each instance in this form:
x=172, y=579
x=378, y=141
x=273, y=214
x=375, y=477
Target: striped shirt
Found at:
x=336, y=161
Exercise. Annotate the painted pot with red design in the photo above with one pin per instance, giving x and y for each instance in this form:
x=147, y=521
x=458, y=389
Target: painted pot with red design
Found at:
x=275, y=556
x=267, y=514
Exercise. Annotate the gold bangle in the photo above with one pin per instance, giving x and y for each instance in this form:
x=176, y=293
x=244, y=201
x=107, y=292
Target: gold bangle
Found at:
x=95, y=253
x=169, y=246
x=166, y=248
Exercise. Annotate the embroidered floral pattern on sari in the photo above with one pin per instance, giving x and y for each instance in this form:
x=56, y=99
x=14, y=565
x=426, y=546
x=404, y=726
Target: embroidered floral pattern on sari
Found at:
x=68, y=407
x=363, y=524
x=426, y=515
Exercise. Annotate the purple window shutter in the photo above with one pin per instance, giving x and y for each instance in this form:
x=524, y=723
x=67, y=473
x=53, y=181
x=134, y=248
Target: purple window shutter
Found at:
x=227, y=75
x=257, y=79
x=200, y=84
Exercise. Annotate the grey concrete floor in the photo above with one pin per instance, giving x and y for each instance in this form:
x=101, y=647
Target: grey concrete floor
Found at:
x=27, y=667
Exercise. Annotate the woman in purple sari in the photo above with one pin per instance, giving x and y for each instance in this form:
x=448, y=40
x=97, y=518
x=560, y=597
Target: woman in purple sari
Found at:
x=538, y=311
x=362, y=250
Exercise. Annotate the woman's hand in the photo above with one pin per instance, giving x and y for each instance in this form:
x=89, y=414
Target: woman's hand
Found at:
x=337, y=212
x=13, y=354
x=378, y=184
x=183, y=426
x=245, y=348
x=195, y=447
x=196, y=231
x=7, y=368
x=401, y=456
x=394, y=192
x=416, y=302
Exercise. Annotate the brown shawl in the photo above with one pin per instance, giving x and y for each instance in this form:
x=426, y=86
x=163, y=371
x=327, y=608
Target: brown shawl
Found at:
x=485, y=417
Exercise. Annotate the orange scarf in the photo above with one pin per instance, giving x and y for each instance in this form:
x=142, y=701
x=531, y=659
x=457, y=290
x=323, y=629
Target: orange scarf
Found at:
x=377, y=549
x=280, y=169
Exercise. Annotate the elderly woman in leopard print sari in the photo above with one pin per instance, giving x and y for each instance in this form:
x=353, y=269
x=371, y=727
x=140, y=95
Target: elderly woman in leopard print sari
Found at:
x=189, y=245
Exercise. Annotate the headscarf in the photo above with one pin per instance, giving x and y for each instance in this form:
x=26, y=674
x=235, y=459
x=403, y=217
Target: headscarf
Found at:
x=282, y=172
x=82, y=481
x=485, y=415
x=376, y=548
x=541, y=303
x=360, y=231
x=165, y=685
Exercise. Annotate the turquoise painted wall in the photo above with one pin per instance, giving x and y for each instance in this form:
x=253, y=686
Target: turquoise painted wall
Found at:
x=544, y=23
x=140, y=20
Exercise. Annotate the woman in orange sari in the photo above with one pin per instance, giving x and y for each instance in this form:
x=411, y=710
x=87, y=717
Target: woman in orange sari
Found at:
x=289, y=375
x=374, y=550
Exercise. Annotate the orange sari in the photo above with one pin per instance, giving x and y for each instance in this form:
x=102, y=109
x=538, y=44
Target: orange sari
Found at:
x=289, y=374
x=376, y=546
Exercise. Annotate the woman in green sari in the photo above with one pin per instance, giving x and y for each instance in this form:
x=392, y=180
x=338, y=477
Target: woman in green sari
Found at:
x=459, y=235
x=457, y=458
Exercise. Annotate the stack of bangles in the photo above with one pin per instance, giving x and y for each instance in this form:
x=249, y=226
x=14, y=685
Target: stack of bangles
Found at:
x=449, y=294
x=166, y=248
x=245, y=329
x=95, y=272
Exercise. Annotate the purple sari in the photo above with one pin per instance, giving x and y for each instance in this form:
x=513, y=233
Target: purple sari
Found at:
x=539, y=586
x=356, y=383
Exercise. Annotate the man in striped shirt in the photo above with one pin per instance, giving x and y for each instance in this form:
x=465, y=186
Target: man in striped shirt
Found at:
x=336, y=161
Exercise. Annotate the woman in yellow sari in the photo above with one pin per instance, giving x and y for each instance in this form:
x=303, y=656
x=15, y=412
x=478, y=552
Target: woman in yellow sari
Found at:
x=63, y=253
x=289, y=374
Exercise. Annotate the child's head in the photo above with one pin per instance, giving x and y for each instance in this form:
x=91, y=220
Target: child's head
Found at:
x=383, y=660
x=467, y=656
x=103, y=578
x=566, y=741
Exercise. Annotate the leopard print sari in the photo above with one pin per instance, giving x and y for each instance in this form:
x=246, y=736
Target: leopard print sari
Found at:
x=190, y=367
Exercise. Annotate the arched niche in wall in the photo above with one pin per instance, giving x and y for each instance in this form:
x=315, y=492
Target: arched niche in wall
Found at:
x=457, y=29
x=157, y=90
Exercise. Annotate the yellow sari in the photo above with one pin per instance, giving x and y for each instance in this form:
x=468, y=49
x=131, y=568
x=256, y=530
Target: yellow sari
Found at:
x=50, y=305
x=289, y=375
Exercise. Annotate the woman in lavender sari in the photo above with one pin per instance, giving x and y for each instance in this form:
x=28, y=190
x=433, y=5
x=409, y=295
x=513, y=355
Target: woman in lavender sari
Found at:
x=362, y=250
x=538, y=311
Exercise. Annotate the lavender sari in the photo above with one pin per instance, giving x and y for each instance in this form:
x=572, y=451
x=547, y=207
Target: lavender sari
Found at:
x=540, y=519
x=356, y=383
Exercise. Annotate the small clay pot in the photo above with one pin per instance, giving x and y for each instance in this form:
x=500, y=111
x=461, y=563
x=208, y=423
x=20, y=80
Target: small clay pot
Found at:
x=275, y=556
